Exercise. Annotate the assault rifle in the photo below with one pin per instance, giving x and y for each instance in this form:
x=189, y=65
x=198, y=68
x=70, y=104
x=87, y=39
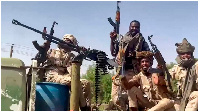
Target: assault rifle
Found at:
x=116, y=29
x=161, y=61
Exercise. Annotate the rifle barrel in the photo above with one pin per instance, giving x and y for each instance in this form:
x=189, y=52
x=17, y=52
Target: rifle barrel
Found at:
x=91, y=54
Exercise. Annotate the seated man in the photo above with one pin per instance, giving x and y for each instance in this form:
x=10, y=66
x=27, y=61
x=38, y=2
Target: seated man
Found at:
x=147, y=90
x=59, y=60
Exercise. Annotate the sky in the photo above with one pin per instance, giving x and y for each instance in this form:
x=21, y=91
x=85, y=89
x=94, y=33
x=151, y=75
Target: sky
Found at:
x=168, y=21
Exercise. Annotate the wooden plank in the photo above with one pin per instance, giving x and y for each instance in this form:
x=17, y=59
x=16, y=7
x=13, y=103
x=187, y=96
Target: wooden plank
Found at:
x=33, y=87
x=75, y=87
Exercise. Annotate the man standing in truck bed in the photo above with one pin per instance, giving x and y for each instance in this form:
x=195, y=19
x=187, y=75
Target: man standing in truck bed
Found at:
x=132, y=41
x=59, y=60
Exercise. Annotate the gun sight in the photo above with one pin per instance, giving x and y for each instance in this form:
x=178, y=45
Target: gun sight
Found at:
x=55, y=23
x=149, y=37
x=15, y=22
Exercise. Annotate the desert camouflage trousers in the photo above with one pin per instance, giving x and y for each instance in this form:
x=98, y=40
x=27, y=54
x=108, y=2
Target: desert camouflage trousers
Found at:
x=121, y=102
x=85, y=94
x=192, y=104
x=137, y=99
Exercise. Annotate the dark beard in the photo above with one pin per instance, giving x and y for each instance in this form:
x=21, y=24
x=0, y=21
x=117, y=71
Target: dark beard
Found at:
x=133, y=33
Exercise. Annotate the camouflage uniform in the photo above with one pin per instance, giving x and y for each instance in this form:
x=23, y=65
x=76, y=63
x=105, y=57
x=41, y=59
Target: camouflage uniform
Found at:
x=130, y=65
x=149, y=95
x=179, y=73
x=122, y=102
x=86, y=91
x=60, y=62
x=144, y=93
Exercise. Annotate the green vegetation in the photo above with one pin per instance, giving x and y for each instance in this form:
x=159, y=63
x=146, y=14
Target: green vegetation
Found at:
x=174, y=82
x=170, y=65
x=105, y=84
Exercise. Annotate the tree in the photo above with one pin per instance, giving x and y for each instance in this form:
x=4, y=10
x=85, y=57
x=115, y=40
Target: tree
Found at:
x=105, y=84
x=169, y=66
x=174, y=82
x=90, y=76
x=106, y=87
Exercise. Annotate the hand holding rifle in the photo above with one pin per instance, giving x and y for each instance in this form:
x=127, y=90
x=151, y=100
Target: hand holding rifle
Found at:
x=115, y=34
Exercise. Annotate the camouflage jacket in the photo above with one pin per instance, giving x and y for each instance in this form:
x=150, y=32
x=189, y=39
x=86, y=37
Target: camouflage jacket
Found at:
x=59, y=58
x=179, y=73
x=115, y=87
x=151, y=91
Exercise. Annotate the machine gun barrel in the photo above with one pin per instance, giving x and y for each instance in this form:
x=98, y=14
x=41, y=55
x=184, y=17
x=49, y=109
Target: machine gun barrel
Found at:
x=48, y=37
x=87, y=53
x=102, y=62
